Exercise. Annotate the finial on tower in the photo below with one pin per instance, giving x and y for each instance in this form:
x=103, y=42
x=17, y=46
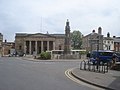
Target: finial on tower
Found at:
x=67, y=23
x=67, y=20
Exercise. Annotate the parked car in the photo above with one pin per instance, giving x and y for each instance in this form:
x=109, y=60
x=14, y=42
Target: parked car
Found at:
x=13, y=53
x=118, y=57
x=101, y=55
x=20, y=53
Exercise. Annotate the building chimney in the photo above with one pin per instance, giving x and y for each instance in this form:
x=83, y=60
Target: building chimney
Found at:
x=93, y=31
x=114, y=36
x=108, y=34
x=100, y=30
x=5, y=41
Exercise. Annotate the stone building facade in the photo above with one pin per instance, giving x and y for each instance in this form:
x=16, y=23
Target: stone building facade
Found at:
x=36, y=43
x=108, y=42
x=1, y=42
x=7, y=46
x=67, y=44
x=93, y=41
x=116, y=43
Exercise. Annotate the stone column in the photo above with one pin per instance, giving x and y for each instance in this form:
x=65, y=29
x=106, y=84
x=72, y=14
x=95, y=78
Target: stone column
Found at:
x=36, y=47
x=25, y=47
x=47, y=45
x=30, y=47
x=53, y=45
x=41, y=46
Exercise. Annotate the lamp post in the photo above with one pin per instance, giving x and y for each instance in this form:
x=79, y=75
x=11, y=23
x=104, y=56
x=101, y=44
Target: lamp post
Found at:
x=98, y=61
x=97, y=43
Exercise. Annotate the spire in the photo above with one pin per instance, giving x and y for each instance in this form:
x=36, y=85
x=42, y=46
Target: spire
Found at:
x=67, y=23
x=67, y=27
x=67, y=44
x=100, y=30
x=108, y=34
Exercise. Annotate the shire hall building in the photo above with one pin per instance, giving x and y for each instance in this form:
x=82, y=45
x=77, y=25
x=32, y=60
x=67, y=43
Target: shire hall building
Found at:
x=30, y=43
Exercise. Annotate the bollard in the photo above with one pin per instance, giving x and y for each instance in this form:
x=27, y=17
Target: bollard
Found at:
x=88, y=66
x=102, y=66
x=81, y=65
x=107, y=66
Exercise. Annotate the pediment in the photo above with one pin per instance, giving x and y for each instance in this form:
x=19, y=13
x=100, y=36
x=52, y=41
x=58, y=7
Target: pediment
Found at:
x=40, y=35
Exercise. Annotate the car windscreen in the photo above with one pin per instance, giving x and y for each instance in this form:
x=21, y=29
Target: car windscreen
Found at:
x=105, y=53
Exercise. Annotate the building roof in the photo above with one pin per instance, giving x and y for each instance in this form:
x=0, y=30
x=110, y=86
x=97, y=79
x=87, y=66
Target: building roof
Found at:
x=39, y=34
x=117, y=39
x=58, y=35
x=108, y=38
x=92, y=34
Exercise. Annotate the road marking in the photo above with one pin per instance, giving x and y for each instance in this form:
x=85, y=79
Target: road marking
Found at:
x=68, y=74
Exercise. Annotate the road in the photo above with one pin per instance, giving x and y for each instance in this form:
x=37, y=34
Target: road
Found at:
x=18, y=74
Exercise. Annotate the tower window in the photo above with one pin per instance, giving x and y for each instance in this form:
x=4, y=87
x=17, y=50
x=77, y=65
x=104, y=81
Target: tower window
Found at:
x=20, y=47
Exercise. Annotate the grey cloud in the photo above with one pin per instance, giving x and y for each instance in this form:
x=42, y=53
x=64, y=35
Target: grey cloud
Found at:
x=85, y=15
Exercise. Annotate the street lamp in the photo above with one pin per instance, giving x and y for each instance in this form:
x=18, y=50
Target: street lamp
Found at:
x=97, y=43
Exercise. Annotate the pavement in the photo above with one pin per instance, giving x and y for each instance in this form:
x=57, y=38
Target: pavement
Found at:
x=109, y=80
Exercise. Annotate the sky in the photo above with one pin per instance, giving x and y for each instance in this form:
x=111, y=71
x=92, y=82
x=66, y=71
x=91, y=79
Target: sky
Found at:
x=42, y=16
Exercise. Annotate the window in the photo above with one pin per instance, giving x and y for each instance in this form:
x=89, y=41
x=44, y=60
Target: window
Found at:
x=104, y=41
x=112, y=42
x=105, y=53
x=108, y=41
x=109, y=48
x=20, y=47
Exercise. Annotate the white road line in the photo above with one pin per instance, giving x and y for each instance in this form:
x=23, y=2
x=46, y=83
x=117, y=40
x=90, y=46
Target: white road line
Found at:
x=67, y=73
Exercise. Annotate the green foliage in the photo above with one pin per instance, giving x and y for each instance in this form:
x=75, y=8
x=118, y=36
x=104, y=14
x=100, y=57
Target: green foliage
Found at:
x=45, y=55
x=76, y=38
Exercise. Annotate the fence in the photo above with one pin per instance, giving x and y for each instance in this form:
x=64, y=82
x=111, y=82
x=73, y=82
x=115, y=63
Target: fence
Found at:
x=100, y=67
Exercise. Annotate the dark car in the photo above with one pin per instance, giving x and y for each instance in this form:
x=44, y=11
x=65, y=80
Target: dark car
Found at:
x=20, y=54
x=101, y=55
x=118, y=57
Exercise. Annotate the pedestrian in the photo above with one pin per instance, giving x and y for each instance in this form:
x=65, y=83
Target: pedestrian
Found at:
x=113, y=60
x=88, y=56
x=97, y=62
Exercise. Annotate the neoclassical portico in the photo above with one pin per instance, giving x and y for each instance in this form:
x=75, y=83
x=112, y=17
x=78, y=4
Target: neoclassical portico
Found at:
x=38, y=46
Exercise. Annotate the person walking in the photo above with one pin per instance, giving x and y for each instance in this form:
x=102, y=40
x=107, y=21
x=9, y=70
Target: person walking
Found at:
x=113, y=60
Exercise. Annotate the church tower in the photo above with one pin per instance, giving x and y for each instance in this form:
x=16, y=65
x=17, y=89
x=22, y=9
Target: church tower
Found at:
x=67, y=44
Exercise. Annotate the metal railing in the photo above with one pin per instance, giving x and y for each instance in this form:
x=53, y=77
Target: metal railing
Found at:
x=100, y=67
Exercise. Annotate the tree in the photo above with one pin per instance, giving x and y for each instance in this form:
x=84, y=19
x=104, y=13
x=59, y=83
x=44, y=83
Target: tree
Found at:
x=76, y=39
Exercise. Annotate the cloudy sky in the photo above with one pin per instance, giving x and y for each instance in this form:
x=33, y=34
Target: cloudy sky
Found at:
x=40, y=16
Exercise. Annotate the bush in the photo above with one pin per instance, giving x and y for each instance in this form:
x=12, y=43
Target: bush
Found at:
x=45, y=55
